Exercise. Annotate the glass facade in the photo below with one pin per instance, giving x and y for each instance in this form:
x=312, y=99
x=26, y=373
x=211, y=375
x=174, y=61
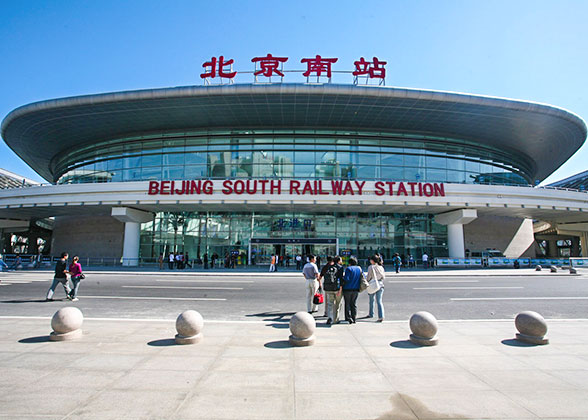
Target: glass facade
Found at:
x=291, y=154
x=359, y=234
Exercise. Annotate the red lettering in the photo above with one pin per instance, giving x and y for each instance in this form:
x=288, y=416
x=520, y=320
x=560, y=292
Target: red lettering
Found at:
x=380, y=188
x=195, y=187
x=321, y=192
x=294, y=186
x=172, y=188
x=164, y=186
x=391, y=187
x=207, y=187
x=269, y=65
x=277, y=185
x=307, y=188
x=420, y=189
x=153, y=187
x=348, y=188
x=337, y=187
x=251, y=190
x=239, y=187
x=183, y=190
x=263, y=182
x=412, y=185
x=227, y=186
x=428, y=190
x=401, y=189
x=439, y=189
x=360, y=186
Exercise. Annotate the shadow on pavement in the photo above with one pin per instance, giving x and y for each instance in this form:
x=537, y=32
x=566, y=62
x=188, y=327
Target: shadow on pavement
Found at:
x=274, y=316
x=165, y=342
x=31, y=301
x=32, y=340
x=513, y=342
x=282, y=344
x=278, y=325
x=404, y=344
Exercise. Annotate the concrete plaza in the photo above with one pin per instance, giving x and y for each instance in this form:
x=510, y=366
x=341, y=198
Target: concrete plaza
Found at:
x=246, y=370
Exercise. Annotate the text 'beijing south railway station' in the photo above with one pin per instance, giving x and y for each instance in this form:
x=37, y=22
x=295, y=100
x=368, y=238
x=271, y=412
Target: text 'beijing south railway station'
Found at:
x=272, y=166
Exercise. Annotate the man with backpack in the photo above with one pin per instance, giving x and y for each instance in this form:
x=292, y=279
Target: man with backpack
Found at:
x=331, y=280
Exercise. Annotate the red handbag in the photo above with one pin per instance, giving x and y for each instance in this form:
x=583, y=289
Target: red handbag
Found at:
x=318, y=298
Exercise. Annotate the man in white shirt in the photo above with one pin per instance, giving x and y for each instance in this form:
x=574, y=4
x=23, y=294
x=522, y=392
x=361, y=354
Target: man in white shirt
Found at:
x=311, y=274
x=425, y=260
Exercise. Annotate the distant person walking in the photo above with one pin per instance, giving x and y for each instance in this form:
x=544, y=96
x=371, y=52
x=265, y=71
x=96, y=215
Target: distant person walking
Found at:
x=331, y=281
x=170, y=260
x=160, y=261
x=75, y=269
x=272, y=266
x=396, y=262
x=425, y=258
x=375, y=277
x=59, y=277
x=350, y=288
x=311, y=274
x=298, y=262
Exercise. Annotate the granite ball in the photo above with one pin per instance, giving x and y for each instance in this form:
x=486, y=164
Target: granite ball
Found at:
x=189, y=323
x=66, y=320
x=573, y=270
x=302, y=325
x=553, y=269
x=531, y=323
x=423, y=324
x=538, y=268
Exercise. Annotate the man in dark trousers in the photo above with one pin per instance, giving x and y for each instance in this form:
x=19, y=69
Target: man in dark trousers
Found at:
x=60, y=277
x=350, y=288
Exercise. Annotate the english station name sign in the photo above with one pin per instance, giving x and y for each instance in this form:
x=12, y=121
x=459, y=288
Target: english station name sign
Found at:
x=296, y=187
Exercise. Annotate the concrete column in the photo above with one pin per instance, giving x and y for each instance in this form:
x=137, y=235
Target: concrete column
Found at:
x=132, y=218
x=454, y=220
x=552, y=248
x=584, y=244
x=131, y=244
x=575, y=251
x=455, y=240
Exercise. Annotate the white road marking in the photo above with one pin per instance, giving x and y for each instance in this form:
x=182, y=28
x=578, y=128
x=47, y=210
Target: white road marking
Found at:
x=529, y=298
x=205, y=281
x=468, y=288
x=184, y=287
x=146, y=298
x=433, y=281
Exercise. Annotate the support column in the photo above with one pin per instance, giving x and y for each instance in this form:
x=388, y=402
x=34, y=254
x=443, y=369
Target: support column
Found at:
x=454, y=221
x=455, y=241
x=132, y=219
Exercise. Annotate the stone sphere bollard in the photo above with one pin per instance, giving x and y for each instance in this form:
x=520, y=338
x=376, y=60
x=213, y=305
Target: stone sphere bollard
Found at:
x=538, y=268
x=302, y=327
x=532, y=328
x=553, y=269
x=573, y=270
x=189, y=325
x=66, y=324
x=424, y=329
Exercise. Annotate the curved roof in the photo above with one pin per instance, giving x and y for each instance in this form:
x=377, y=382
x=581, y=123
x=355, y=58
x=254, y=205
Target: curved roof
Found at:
x=545, y=135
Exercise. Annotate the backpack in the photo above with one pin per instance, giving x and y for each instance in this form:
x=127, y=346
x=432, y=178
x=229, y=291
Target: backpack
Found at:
x=330, y=279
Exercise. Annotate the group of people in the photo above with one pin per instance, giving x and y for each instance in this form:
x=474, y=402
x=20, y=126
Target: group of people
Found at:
x=343, y=284
x=179, y=261
x=61, y=272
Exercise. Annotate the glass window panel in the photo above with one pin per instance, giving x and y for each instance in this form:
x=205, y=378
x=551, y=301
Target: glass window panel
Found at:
x=395, y=160
x=436, y=162
x=114, y=164
x=173, y=159
x=456, y=164
x=132, y=162
x=152, y=160
x=367, y=172
x=173, y=172
x=304, y=171
x=195, y=171
x=411, y=160
x=303, y=157
x=392, y=173
x=436, y=175
x=195, y=158
x=151, y=173
x=369, y=158
x=456, y=177
x=472, y=166
x=414, y=174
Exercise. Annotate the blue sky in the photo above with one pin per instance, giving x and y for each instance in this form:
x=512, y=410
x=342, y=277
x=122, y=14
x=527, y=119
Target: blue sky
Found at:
x=530, y=50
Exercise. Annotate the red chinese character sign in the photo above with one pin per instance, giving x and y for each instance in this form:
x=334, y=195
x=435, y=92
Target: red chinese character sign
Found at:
x=269, y=65
x=214, y=68
x=370, y=69
x=318, y=66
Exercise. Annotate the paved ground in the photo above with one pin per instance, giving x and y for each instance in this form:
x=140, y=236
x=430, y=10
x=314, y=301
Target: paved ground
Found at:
x=229, y=295
x=132, y=370
x=127, y=366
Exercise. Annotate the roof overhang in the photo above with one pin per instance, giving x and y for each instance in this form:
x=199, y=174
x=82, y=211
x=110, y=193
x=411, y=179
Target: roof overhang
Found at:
x=544, y=135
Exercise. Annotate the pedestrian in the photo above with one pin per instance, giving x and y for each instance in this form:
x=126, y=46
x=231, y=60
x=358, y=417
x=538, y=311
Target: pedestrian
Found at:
x=59, y=277
x=272, y=267
x=3, y=265
x=322, y=272
x=17, y=263
x=187, y=262
x=411, y=262
x=205, y=258
x=277, y=261
x=170, y=260
x=160, y=261
x=331, y=281
x=298, y=262
x=375, y=277
x=350, y=288
x=311, y=274
x=396, y=262
x=75, y=269
x=425, y=258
